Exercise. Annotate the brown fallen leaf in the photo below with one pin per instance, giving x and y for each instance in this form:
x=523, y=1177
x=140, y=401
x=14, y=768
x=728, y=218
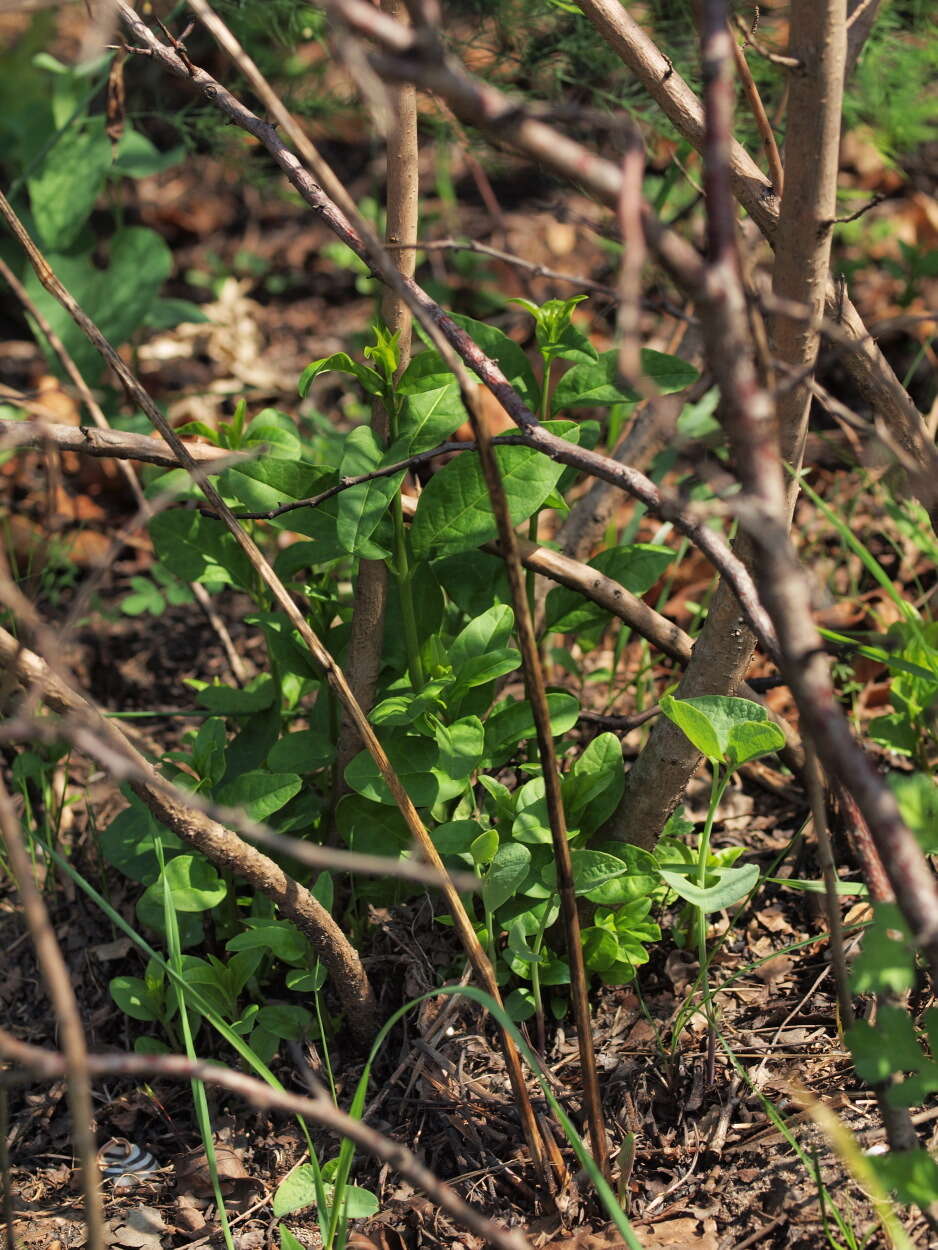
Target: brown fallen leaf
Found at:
x=138, y=1229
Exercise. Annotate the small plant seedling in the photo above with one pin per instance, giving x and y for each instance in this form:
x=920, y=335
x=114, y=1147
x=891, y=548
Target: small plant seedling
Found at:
x=728, y=732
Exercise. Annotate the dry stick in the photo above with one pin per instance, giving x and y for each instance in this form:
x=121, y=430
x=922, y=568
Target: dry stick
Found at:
x=546, y=145
x=6, y=1180
x=628, y=318
x=869, y=370
x=748, y=419
x=462, y=923
x=97, y=415
x=58, y=984
x=764, y=126
x=816, y=798
x=49, y=1065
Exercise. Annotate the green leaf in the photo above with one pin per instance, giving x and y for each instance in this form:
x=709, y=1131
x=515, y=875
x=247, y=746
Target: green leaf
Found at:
x=485, y=668
x=64, y=190
x=600, y=949
x=889, y=1046
x=531, y=823
x=276, y=431
x=296, y=1191
x=166, y=314
x=208, y=751
x=511, y=723
x=591, y=869
x=488, y=632
x=509, y=356
x=342, y=363
x=454, y=512
x=288, y=1241
x=596, y=384
x=461, y=747
x=193, y=882
x=199, y=549
x=260, y=793
x=917, y=796
x=372, y=828
x=508, y=869
x=146, y=597
x=731, y=885
x=360, y=508
x=598, y=774
x=485, y=847
x=256, y=696
x=885, y=964
x=285, y=1020
x=426, y=372
x=726, y=730
x=413, y=759
x=429, y=417
x=456, y=837
x=279, y=937
x=265, y=484
x=117, y=298
x=895, y=731
x=520, y=1005
x=632, y=888
x=128, y=843
x=138, y=157
x=134, y=998
x=912, y=1175
x=302, y=752
x=636, y=567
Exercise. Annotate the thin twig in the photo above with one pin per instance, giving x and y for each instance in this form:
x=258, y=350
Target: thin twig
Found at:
x=58, y=984
x=764, y=126
x=776, y=58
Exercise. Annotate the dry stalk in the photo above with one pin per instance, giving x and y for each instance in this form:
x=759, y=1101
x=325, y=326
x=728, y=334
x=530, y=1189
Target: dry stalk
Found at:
x=749, y=422
x=58, y=984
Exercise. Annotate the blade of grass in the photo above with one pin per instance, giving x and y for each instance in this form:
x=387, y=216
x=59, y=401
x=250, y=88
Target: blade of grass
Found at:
x=199, y=1098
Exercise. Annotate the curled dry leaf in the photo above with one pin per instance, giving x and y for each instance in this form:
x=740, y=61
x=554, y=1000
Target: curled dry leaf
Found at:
x=139, y=1229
